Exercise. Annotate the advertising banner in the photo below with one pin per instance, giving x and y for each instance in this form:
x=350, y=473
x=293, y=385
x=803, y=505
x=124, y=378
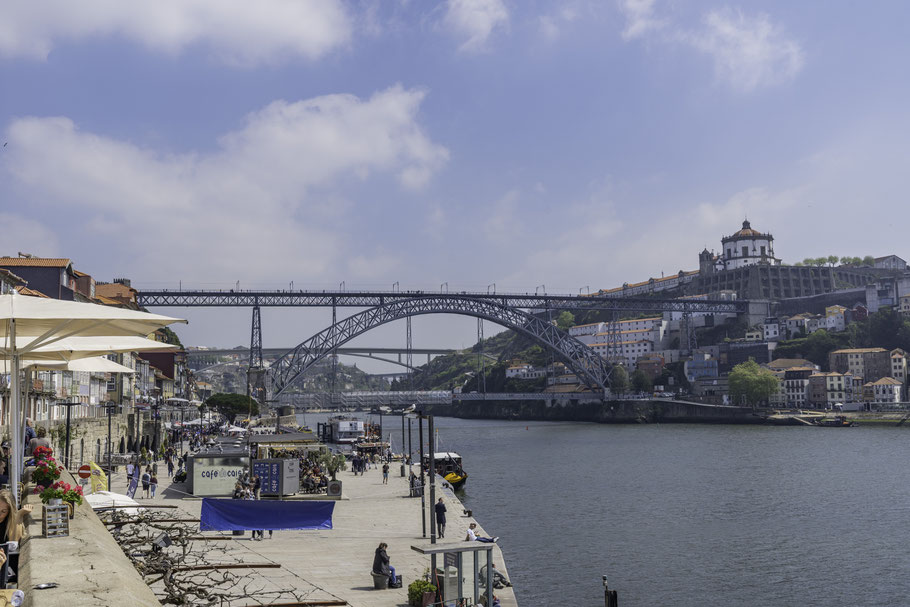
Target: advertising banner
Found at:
x=242, y=515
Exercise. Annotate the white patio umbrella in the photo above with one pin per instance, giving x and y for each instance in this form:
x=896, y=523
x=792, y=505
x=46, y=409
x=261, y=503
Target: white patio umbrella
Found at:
x=72, y=348
x=48, y=321
x=94, y=364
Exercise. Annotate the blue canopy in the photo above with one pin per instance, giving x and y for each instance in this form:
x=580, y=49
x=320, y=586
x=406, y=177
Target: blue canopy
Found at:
x=236, y=515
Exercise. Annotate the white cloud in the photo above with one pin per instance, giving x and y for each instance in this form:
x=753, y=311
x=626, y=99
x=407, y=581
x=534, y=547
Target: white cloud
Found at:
x=21, y=234
x=475, y=20
x=640, y=18
x=550, y=26
x=236, y=31
x=252, y=200
x=748, y=52
x=503, y=217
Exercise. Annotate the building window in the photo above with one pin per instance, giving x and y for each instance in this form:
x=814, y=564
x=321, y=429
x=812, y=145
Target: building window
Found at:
x=763, y=251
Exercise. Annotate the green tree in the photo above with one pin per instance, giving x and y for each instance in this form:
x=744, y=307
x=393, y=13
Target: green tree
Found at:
x=332, y=462
x=752, y=383
x=846, y=261
x=619, y=380
x=641, y=381
x=868, y=260
x=565, y=320
x=232, y=405
x=832, y=260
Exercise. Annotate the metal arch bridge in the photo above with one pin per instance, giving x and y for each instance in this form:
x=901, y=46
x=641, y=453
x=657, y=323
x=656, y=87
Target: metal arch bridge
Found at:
x=587, y=364
x=504, y=307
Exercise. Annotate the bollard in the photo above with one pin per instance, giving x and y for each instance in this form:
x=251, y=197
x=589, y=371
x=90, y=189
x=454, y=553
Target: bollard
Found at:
x=610, y=597
x=402, y=471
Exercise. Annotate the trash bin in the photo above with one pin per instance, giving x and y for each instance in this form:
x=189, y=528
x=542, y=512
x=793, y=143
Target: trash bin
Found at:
x=402, y=470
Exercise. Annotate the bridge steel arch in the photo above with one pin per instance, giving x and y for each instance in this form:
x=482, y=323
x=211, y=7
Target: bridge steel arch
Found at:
x=587, y=365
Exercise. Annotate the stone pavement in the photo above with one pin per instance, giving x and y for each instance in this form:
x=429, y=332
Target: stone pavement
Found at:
x=336, y=564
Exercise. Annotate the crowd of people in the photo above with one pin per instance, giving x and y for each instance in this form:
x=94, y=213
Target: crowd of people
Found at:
x=249, y=488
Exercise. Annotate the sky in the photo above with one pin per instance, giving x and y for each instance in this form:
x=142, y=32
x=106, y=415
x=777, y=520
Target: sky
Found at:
x=527, y=144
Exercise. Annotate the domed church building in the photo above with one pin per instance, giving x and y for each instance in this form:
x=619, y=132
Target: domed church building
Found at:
x=747, y=247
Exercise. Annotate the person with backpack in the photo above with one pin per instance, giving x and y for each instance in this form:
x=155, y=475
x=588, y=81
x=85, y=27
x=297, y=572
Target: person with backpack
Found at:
x=146, y=481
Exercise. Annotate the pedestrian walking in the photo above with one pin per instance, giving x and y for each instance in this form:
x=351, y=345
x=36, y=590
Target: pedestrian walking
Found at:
x=170, y=467
x=153, y=484
x=440, y=518
x=385, y=474
x=146, y=481
x=257, y=486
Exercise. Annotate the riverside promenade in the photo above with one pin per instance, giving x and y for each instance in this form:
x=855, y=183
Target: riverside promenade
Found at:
x=335, y=564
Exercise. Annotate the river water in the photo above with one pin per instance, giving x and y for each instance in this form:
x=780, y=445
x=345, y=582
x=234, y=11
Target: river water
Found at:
x=706, y=515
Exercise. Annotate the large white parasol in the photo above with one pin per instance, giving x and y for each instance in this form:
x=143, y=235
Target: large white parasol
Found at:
x=49, y=321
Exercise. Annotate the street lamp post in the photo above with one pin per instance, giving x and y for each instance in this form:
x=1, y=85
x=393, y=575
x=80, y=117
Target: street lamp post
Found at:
x=423, y=504
x=110, y=411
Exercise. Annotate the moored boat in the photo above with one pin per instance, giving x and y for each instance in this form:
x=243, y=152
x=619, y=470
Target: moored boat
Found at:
x=448, y=466
x=838, y=421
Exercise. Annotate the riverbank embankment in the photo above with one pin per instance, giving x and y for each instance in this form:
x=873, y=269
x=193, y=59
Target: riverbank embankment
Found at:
x=624, y=411
x=335, y=564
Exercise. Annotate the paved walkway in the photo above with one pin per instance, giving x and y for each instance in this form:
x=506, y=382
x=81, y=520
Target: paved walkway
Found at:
x=336, y=563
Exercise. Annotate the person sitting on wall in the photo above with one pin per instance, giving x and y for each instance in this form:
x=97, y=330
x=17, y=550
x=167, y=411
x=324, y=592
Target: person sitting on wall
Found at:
x=499, y=580
x=473, y=537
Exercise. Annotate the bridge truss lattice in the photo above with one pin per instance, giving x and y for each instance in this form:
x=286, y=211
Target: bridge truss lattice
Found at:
x=587, y=365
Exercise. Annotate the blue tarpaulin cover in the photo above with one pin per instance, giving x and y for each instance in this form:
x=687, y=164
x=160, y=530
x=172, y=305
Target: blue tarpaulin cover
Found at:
x=235, y=515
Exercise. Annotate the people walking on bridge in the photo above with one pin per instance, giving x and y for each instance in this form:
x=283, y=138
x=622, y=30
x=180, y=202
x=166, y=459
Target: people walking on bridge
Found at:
x=440, y=518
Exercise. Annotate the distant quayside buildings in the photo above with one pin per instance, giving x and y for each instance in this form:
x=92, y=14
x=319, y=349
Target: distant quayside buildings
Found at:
x=786, y=301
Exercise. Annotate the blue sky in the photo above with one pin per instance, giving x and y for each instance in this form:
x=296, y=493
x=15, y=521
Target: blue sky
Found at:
x=470, y=141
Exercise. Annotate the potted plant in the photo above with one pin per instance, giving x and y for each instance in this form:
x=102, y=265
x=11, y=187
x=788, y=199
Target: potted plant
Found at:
x=42, y=453
x=61, y=492
x=46, y=471
x=421, y=593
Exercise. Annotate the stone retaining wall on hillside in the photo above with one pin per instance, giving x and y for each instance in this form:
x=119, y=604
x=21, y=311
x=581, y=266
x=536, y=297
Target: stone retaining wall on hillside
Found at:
x=88, y=436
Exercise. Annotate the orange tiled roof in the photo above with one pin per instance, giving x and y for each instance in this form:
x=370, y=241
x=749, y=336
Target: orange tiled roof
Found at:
x=36, y=262
x=32, y=292
x=885, y=381
x=107, y=300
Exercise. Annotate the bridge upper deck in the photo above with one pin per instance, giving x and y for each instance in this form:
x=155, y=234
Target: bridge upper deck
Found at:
x=369, y=299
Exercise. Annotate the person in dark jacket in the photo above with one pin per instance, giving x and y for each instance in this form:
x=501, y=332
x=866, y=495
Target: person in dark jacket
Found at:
x=440, y=518
x=381, y=564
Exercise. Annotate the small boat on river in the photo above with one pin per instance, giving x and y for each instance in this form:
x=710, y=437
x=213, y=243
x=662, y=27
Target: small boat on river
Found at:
x=448, y=466
x=342, y=429
x=838, y=421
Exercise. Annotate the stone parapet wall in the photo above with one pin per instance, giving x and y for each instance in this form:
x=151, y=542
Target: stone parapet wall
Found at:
x=88, y=565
